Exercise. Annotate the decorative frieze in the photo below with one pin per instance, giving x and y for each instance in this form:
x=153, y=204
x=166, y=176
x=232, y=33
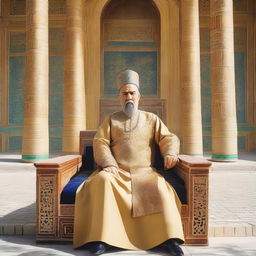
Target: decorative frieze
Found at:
x=130, y=31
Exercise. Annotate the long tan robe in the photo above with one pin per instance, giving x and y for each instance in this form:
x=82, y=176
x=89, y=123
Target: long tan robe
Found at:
x=138, y=209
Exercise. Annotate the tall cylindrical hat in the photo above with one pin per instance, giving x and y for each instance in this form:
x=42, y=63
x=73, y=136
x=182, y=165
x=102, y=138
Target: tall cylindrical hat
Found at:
x=128, y=76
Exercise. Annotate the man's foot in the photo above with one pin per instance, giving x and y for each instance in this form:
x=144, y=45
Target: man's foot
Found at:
x=98, y=248
x=174, y=248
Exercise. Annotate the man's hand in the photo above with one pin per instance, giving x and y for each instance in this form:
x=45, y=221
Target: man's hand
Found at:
x=170, y=161
x=112, y=169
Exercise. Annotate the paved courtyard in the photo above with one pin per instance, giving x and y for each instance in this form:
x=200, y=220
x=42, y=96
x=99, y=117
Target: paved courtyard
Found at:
x=232, y=211
x=26, y=246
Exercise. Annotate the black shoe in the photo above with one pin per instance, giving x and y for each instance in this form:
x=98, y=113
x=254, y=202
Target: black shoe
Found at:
x=174, y=248
x=98, y=248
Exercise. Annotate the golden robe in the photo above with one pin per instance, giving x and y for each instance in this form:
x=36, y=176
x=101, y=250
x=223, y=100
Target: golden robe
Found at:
x=138, y=209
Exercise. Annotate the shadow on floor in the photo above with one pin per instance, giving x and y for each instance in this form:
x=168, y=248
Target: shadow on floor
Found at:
x=250, y=156
x=11, y=160
x=20, y=216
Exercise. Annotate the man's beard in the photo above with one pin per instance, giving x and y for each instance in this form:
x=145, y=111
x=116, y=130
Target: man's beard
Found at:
x=129, y=109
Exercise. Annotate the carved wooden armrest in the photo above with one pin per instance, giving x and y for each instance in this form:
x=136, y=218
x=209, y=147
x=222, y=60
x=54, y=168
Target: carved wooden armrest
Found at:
x=194, y=171
x=51, y=177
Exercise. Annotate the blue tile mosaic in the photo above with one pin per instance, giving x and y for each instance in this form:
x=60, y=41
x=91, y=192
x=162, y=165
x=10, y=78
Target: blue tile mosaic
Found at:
x=145, y=63
x=55, y=144
x=206, y=88
x=56, y=39
x=240, y=74
x=14, y=143
x=241, y=140
x=17, y=42
x=56, y=85
x=16, y=91
x=207, y=143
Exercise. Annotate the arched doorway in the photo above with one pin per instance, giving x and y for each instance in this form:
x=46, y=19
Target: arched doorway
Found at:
x=166, y=15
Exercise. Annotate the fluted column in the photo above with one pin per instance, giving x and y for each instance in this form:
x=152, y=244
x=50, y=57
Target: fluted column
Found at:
x=224, y=123
x=190, y=78
x=36, y=135
x=74, y=91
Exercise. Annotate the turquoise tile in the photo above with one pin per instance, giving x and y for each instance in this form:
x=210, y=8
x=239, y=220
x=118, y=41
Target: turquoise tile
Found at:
x=240, y=76
x=206, y=88
x=16, y=90
x=241, y=142
x=17, y=42
x=207, y=143
x=15, y=143
x=55, y=144
x=56, y=39
x=56, y=87
x=145, y=63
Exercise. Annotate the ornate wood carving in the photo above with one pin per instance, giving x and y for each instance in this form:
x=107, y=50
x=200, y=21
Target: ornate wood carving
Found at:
x=66, y=227
x=240, y=5
x=57, y=225
x=67, y=210
x=46, y=204
x=17, y=7
x=200, y=206
x=204, y=7
x=57, y=6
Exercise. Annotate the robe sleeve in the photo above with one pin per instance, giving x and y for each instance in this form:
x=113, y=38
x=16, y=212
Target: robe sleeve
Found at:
x=168, y=142
x=101, y=146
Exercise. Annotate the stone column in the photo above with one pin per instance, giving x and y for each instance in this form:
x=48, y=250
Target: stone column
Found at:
x=224, y=124
x=36, y=132
x=190, y=78
x=74, y=90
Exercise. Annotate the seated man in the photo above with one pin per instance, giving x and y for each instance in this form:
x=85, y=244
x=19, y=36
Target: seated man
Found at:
x=126, y=203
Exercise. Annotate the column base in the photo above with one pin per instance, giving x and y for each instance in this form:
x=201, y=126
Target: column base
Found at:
x=224, y=158
x=199, y=155
x=34, y=158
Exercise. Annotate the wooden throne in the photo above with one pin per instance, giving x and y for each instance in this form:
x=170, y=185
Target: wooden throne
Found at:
x=55, y=218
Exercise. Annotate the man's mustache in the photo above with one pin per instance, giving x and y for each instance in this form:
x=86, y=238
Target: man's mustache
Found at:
x=128, y=101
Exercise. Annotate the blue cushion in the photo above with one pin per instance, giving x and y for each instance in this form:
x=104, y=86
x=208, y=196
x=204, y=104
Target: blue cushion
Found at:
x=68, y=193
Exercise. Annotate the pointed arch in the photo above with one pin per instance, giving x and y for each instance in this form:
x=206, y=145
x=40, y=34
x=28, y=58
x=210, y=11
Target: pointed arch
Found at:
x=169, y=58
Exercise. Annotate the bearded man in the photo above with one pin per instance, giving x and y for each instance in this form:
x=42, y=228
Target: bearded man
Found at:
x=126, y=203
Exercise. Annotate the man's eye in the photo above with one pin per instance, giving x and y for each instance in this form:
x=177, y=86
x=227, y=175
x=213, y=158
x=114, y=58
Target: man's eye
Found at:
x=131, y=93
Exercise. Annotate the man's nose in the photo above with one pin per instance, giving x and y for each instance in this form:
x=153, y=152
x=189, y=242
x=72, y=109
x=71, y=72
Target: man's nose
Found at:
x=129, y=96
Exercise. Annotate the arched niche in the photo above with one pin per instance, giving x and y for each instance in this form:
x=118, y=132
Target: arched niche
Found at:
x=130, y=39
x=168, y=81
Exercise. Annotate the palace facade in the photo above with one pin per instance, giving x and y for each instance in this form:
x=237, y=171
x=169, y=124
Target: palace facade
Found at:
x=60, y=58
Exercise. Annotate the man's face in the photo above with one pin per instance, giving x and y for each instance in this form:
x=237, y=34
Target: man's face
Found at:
x=129, y=93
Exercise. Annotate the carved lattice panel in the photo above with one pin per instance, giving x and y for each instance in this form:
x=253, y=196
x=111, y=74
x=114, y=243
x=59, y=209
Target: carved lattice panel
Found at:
x=57, y=6
x=200, y=206
x=240, y=5
x=17, y=7
x=204, y=7
x=46, y=205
